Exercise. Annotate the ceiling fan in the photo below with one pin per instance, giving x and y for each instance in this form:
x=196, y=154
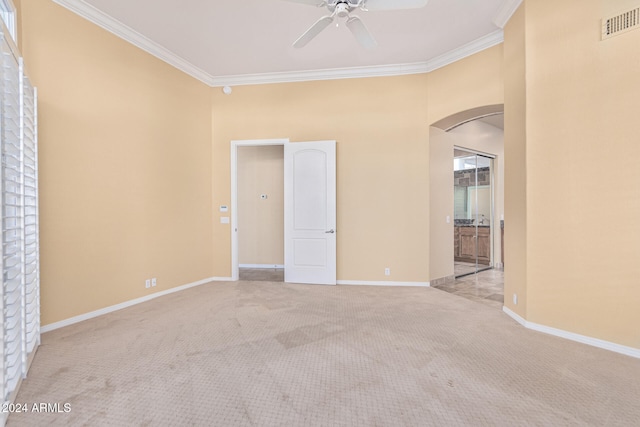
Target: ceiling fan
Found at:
x=341, y=9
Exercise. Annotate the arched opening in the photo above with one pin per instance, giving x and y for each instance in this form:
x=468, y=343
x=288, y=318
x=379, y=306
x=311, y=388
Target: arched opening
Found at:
x=479, y=113
x=467, y=204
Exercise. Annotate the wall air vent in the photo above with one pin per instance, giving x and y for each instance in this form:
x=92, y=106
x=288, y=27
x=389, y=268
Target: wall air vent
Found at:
x=621, y=23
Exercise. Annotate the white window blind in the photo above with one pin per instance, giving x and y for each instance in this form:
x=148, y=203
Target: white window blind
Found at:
x=31, y=238
x=11, y=221
x=19, y=242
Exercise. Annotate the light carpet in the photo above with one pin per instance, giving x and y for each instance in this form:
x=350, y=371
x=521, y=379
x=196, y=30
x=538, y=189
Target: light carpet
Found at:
x=274, y=354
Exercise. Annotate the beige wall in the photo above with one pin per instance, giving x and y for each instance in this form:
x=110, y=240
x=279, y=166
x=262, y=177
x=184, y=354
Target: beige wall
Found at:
x=475, y=81
x=583, y=99
x=382, y=129
x=382, y=150
x=515, y=145
x=125, y=171
x=261, y=221
x=441, y=203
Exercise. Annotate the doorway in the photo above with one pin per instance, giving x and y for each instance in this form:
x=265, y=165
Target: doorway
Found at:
x=473, y=211
x=477, y=132
x=260, y=172
x=309, y=205
x=235, y=217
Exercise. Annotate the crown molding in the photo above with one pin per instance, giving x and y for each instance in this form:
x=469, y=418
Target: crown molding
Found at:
x=506, y=11
x=478, y=45
x=326, y=74
x=450, y=57
x=117, y=28
x=101, y=19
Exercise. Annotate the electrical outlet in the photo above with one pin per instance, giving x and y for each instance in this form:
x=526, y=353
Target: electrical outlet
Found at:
x=515, y=299
x=387, y=271
x=153, y=282
x=147, y=283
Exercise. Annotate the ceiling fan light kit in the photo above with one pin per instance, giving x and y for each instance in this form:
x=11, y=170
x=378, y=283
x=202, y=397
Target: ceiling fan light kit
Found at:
x=341, y=9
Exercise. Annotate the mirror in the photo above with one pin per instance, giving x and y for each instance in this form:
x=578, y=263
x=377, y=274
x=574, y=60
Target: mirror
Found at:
x=472, y=189
x=473, y=204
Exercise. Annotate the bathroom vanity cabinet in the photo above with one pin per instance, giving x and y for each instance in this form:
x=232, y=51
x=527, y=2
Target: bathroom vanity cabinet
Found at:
x=465, y=247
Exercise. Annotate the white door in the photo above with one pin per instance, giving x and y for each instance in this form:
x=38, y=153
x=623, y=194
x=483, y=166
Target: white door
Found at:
x=310, y=212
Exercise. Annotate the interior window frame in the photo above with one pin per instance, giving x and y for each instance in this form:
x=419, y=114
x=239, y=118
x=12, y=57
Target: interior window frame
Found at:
x=9, y=15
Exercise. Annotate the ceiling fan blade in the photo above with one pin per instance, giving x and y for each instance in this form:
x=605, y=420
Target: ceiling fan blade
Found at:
x=361, y=33
x=309, y=2
x=394, y=4
x=315, y=29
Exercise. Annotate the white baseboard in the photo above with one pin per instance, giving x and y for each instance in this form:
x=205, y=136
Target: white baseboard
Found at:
x=370, y=283
x=261, y=266
x=221, y=279
x=594, y=342
x=111, y=309
x=515, y=316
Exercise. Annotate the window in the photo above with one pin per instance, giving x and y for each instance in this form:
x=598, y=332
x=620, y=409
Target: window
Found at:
x=8, y=14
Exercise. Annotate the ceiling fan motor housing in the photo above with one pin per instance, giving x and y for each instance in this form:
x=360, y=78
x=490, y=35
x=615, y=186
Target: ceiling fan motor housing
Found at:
x=342, y=10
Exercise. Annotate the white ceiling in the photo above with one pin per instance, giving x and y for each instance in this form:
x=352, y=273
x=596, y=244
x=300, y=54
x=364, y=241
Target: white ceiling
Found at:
x=218, y=41
x=496, y=120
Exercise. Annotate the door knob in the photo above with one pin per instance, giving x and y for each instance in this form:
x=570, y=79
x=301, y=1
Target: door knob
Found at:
x=330, y=232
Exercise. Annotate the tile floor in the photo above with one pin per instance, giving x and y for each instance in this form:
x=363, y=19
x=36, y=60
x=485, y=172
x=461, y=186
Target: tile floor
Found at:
x=486, y=287
x=461, y=268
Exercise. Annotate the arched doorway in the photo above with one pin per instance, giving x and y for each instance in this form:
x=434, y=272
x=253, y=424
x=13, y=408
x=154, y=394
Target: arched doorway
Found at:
x=467, y=205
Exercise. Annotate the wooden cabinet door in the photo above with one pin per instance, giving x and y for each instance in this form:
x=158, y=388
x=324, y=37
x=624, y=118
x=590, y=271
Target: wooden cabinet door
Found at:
x=468, y=245
x=484, y=249
x=456, y=242
x=468, y=242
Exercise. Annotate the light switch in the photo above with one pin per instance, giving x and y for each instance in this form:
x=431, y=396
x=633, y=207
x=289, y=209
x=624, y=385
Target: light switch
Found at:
x=224, y=208
x=224, y=220
x=448, y=219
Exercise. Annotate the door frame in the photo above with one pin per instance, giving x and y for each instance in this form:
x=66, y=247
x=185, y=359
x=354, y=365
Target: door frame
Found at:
x=235, y=267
